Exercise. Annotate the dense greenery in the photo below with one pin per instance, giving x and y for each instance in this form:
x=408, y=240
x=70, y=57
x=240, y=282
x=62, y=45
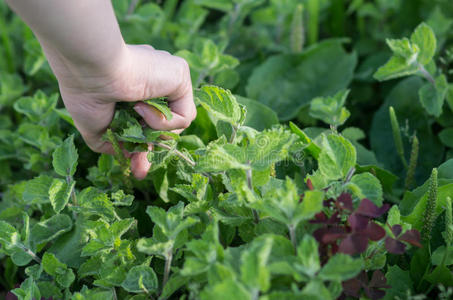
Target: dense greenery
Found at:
x=320, y=165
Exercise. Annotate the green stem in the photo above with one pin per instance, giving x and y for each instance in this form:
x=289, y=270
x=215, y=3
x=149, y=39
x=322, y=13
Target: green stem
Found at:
x=177, y=152
x=313, y=20
x=412, y=163
x=426, y=74
x=119, y=156
x=292, y=235
x=397, y=136
x=256, y=216
x=168, y=260
x=31, y=253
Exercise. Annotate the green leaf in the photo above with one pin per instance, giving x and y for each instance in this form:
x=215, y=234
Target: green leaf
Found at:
x=8, y=234
x=341, y=267
x=433, y=97
x=37, y=190
x=330, y=110
x=220, y=158
x=337, y=157
x=28, y=290
x=307, y=254
x=52, y=265
x=162, y=105
x=50, y=229
x=446, y=137
x=220, y=103
x=254, y=270
x=65, y=158
x=140, y=279
x=365, y=185
x=268, y=147
x=400, y=282
x=425, y=39
x=396, y=67
x=319, y=71
x=59, y=194
x=259, y=116
x=225, y=290
x=441, y=275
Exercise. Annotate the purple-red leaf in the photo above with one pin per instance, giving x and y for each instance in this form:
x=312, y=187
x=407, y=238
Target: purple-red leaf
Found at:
x=396, y=230
x=354, y=243
x=369, y=209
x=358, y=222
x=345, y=201
x=374, y=231
x=378, y=280
x=394, y=246
x=329, y=235
x=412, y=237
x=352, y=287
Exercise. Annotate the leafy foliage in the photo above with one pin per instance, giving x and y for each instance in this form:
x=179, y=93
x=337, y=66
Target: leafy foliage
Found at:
x=240, y=205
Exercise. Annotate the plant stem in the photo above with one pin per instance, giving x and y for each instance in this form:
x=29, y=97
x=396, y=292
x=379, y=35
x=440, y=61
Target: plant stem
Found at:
x=31, y=253
x=69, y=180
x=256, y=216
x=412, y=163
x=114, y=294
x=292, y=235
x=397, y=135
x=177, y=152
x=233, y=135
x=168, y=260
x=426, y=74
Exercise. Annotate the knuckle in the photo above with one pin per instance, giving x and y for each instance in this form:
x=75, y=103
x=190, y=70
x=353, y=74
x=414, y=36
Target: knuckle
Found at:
x=186, y=123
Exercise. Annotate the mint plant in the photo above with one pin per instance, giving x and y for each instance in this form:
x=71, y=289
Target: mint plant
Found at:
x=301, y=178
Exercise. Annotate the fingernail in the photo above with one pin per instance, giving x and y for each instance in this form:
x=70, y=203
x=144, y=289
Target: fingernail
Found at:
x=140, y=111
x=157, y=113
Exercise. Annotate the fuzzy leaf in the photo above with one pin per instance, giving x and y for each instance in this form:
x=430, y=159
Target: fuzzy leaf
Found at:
x=337, y=157
x=65, y=158
x=50, y=229
x=140, y=279
x=330, y=110
x=59, y=194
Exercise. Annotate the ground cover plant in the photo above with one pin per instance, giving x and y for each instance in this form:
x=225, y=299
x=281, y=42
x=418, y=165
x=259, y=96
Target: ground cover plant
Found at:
x=320, y=165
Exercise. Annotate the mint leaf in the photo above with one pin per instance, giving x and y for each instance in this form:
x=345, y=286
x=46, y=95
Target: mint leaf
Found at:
x=425, y=39
x=432, y=96
x=220, y=103
x=341, y=267
x=59, y=194
x=161, y=105
x=50, y=229
x=337, y=157
x=140, y=279
x=65, y=158
x=330, y=110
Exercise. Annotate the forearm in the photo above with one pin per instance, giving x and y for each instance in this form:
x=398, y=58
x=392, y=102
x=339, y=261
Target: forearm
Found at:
x=80, y=36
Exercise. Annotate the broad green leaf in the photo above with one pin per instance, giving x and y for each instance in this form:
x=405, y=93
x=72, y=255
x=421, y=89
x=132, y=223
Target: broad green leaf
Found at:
x=425, y=39
x=28, y=290
x=37, y=190
x=93, y=202
x=225, y=290
x=37, y=107
x=220, y=158
x=220, y=103
x=341, y=267
x=416, y=215
x=330, y=109
x=254, y=270
x=400, y=282
x=310, y=146
x=440, y=275
x=52, y=265
x=446, y=136
x=337, y=157
x=161, y=105
x=403, y=48
x=59, y=194
x=8, y=234
x=50, y=229
x=121, y=199
x=319, y=71
x=307, y=254
x=316, y=290
x=438, y=255
x=396, y=67
x=433, y=97
x=65, y=158
x=259, y=116
x=140, y=279
x=311, y=205
x=365, y=185
x=269, y=147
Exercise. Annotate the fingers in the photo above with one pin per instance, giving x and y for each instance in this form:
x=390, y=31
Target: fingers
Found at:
x=165, y=75
x=140, y=165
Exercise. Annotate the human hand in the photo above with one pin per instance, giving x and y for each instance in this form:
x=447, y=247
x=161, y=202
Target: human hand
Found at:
x=139, y=72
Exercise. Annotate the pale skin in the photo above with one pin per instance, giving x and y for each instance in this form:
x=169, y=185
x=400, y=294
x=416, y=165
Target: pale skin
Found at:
x=95, y=69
